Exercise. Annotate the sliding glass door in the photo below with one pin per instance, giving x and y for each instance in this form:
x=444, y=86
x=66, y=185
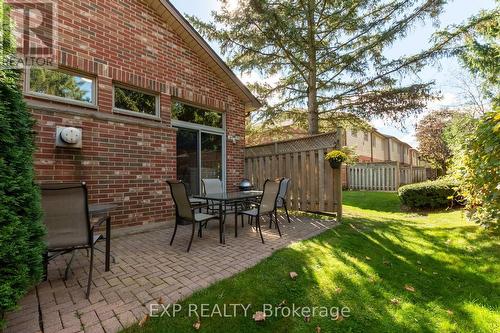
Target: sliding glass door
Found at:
x=199, y=156
x=200, y=144
x=211, y=155
x=188, y=158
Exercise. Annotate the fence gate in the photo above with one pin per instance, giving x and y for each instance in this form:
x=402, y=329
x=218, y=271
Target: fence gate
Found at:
x=314, y=186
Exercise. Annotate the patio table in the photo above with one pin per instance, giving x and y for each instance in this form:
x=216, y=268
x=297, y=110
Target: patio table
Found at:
x=96, y=210
x=229, y=197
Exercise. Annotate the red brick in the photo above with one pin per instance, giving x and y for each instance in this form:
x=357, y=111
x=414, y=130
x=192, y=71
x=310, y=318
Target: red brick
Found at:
x=120, y=35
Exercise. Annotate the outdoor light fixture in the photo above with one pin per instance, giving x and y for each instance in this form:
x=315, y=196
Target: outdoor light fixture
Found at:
x=234, y=138
x=68, y=137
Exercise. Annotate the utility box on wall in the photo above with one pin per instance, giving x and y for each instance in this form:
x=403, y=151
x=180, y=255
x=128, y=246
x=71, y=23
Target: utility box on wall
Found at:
x=68, y=137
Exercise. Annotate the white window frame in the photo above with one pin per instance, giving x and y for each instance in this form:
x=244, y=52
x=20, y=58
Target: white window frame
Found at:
x=28, y=92
x=134, y=113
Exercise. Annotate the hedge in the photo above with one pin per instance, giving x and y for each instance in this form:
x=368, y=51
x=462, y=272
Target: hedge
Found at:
x=21, y=230
x=429, y=194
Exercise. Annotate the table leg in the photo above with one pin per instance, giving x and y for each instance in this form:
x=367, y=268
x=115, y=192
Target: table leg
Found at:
x=221, y=224
x=108, y=243
x=235, y=219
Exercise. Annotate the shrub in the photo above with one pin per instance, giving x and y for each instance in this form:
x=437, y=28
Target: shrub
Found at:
x=479, y=173
x=21, y=230
x=429, y=194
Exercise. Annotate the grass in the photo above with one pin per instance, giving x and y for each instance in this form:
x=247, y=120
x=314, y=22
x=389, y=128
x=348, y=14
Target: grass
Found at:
x=365, y=264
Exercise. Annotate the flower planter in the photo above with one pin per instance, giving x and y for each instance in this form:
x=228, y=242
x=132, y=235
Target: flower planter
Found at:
x=335, y=164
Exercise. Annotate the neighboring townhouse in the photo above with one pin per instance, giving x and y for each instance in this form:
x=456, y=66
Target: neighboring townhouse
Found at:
x=153, y=102
x=415, y=159
x=362, y=140
x=379, y=147
x=399, y=151
x=373, y=146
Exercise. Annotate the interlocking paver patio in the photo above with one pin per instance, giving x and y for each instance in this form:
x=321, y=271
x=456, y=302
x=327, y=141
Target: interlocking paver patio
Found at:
x=146, y=269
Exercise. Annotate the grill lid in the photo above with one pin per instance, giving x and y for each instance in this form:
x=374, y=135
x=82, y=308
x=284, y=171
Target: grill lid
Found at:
x=245, y=184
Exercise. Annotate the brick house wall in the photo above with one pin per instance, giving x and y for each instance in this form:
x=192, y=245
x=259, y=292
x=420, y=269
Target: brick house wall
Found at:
x=126, y=159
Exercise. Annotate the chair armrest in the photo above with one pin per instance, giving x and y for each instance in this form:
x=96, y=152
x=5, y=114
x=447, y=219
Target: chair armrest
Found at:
x=100, y=221
x=199, y=206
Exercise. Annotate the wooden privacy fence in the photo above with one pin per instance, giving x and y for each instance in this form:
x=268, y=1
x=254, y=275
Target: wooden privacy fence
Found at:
x=314, y=185
x=383, y=176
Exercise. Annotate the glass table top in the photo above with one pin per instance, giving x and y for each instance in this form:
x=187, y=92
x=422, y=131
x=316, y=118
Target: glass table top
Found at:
x=229, y=196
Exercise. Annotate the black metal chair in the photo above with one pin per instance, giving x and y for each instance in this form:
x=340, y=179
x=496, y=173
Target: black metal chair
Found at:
x=266, y=206
x=281, y=201
x=66, y=216
x=185, y=211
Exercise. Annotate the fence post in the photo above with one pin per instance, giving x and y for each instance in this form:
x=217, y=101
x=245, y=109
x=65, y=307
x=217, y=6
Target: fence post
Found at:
x=337, y=191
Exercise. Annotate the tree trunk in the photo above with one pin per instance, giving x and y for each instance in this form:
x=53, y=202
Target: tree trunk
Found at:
x=312, y=111
x=312, y=91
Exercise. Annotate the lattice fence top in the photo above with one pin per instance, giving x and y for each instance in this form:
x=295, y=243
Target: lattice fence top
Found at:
x=321, y=141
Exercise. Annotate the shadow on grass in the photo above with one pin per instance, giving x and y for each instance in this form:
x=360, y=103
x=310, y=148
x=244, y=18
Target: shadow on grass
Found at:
x=363, y=264
x=389, y=256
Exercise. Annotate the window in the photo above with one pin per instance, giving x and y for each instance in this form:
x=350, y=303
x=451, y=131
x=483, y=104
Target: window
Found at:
x=193, y=114
x=135, y=102
x=354, y=133
x=374, y=141
x=61, y=85
x=365, y=136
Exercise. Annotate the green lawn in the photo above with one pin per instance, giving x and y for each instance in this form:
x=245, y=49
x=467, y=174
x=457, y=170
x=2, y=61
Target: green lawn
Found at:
x=365, y=264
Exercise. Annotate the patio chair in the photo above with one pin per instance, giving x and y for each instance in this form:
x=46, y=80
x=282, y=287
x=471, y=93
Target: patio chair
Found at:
x=281, y=201
x=214, y=185
x=266, y=206
x=185, y=211
x=194, y=201
x=66, y=216
x=211, y=186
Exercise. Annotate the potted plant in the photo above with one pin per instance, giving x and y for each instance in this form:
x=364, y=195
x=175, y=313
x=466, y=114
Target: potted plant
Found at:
x=335, y=158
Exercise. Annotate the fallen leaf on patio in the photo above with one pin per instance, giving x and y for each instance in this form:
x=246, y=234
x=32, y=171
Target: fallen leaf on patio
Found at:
x=259, y=316
x=143, y=320
x=449, y=312
x=197, y=325
x=395, y=301
x=409, y=288
x=307, y=319
x=318, y=329
x=368, y=258
x=293, y=275
x=160, y=300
